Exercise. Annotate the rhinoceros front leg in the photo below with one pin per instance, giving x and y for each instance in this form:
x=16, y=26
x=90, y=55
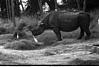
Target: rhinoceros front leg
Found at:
x=58, y=34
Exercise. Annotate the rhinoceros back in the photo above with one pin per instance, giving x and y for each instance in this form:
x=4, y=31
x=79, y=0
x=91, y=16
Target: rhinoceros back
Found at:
x=65, y=21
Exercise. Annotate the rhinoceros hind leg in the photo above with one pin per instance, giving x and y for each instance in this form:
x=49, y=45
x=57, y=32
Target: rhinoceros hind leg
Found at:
x=88, y=35
x=58, y=34
x=81, y=33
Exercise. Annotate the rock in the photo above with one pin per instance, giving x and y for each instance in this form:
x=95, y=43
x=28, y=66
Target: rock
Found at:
x=79, y=61
x=95, y=49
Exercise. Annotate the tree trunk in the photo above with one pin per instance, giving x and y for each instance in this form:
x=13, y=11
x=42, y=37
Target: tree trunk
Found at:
x=17, y=8
x=78, y=4
x=56, y=6
x=40, y=6
x=12, y=10
x=52, y=5
x=84, y=5
x=22, y=5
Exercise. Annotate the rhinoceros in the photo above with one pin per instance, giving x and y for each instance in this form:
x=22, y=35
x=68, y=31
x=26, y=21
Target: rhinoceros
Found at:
x=64, y=21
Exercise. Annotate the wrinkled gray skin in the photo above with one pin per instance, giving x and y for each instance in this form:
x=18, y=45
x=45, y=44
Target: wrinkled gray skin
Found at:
x=67, y=22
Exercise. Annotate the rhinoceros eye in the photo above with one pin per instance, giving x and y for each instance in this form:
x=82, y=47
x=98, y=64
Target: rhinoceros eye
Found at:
x=41, y=23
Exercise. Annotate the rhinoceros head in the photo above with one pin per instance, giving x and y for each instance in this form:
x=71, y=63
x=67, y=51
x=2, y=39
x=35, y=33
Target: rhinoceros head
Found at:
x=38, y=30
x=41, y=26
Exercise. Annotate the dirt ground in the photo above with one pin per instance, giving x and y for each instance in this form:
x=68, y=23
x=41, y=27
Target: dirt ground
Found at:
x=67, y=52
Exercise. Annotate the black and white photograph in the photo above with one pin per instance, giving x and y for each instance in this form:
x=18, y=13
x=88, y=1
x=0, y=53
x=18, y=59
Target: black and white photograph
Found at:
x=49, y=32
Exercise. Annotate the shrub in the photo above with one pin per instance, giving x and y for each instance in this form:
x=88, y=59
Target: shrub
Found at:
x=6, y=36
x=22, y=44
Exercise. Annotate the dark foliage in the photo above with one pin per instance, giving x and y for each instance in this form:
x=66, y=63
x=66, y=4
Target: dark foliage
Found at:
x=51, y=3
x=33, y=7
x=70, y=3
x=5, y=6
x=92, y=4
